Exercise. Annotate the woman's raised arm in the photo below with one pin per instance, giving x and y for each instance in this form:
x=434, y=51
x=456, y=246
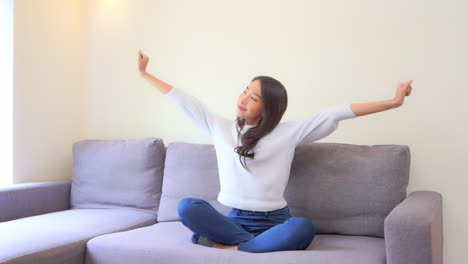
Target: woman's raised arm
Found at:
x=196, y=111
x=142, y=63
x=403, y=89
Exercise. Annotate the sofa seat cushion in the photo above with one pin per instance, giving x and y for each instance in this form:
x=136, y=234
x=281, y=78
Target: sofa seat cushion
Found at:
x=169, y=242
x=60, y=237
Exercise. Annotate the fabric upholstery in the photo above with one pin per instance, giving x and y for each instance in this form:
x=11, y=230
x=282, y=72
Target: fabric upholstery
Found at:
x=29, y=199
x=60, y=237
x=414, y=230
x=169, y=242
x=190, y=170
x=118, y=173
x=348, y=189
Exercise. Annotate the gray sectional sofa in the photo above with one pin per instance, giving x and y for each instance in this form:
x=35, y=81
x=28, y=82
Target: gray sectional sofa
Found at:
x=121, y=207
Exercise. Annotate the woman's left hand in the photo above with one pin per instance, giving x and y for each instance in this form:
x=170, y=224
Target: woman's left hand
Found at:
x=403, y=89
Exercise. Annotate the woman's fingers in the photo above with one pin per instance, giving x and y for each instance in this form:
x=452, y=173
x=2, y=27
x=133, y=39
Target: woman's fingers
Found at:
x=407, y=87
x=141, y=55
x=408, y=92
x=142, y=61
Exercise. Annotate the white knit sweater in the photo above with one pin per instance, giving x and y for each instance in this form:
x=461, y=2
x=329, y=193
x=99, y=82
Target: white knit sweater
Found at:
x=262, y=189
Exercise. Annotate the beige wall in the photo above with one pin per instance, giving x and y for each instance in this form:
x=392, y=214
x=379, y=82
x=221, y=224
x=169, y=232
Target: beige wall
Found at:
x=324, y=53
x=47, y=88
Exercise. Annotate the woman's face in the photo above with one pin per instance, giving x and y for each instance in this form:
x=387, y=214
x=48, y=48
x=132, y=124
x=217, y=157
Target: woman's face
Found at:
x=250, y=103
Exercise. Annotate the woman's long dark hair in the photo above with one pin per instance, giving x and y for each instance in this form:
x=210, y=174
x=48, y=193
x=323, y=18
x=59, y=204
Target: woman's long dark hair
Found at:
x=275, y=102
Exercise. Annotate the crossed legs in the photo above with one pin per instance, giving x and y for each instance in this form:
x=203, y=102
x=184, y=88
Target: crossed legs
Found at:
x=296, y=233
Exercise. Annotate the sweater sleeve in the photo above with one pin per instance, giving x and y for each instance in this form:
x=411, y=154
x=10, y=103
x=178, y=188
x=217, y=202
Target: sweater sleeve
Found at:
x=195, y=110
x=322, y=123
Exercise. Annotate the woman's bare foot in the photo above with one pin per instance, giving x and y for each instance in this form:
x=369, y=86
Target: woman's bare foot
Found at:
x=223, y=246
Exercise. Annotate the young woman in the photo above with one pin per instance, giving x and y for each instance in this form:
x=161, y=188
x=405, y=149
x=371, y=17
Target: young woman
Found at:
x=254, y=154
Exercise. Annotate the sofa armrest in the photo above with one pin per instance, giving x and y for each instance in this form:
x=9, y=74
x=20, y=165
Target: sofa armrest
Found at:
x=28, y=199
x=413, y=230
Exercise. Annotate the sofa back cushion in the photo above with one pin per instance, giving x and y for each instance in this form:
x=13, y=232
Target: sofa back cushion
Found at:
x=345, y=188
x=118, y=173
x=190, y=170
x=342, y=188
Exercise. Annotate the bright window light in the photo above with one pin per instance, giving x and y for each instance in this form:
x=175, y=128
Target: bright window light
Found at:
x=6, y=92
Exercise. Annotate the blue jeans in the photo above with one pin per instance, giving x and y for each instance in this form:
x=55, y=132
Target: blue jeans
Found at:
x=251, y=231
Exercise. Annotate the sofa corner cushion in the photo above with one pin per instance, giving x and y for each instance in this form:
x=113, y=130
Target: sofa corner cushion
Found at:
x=118, y=173
x=348, y=189
x=190, y=170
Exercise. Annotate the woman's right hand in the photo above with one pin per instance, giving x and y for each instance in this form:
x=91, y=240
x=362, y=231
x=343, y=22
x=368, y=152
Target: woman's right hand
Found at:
x=142, y=62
